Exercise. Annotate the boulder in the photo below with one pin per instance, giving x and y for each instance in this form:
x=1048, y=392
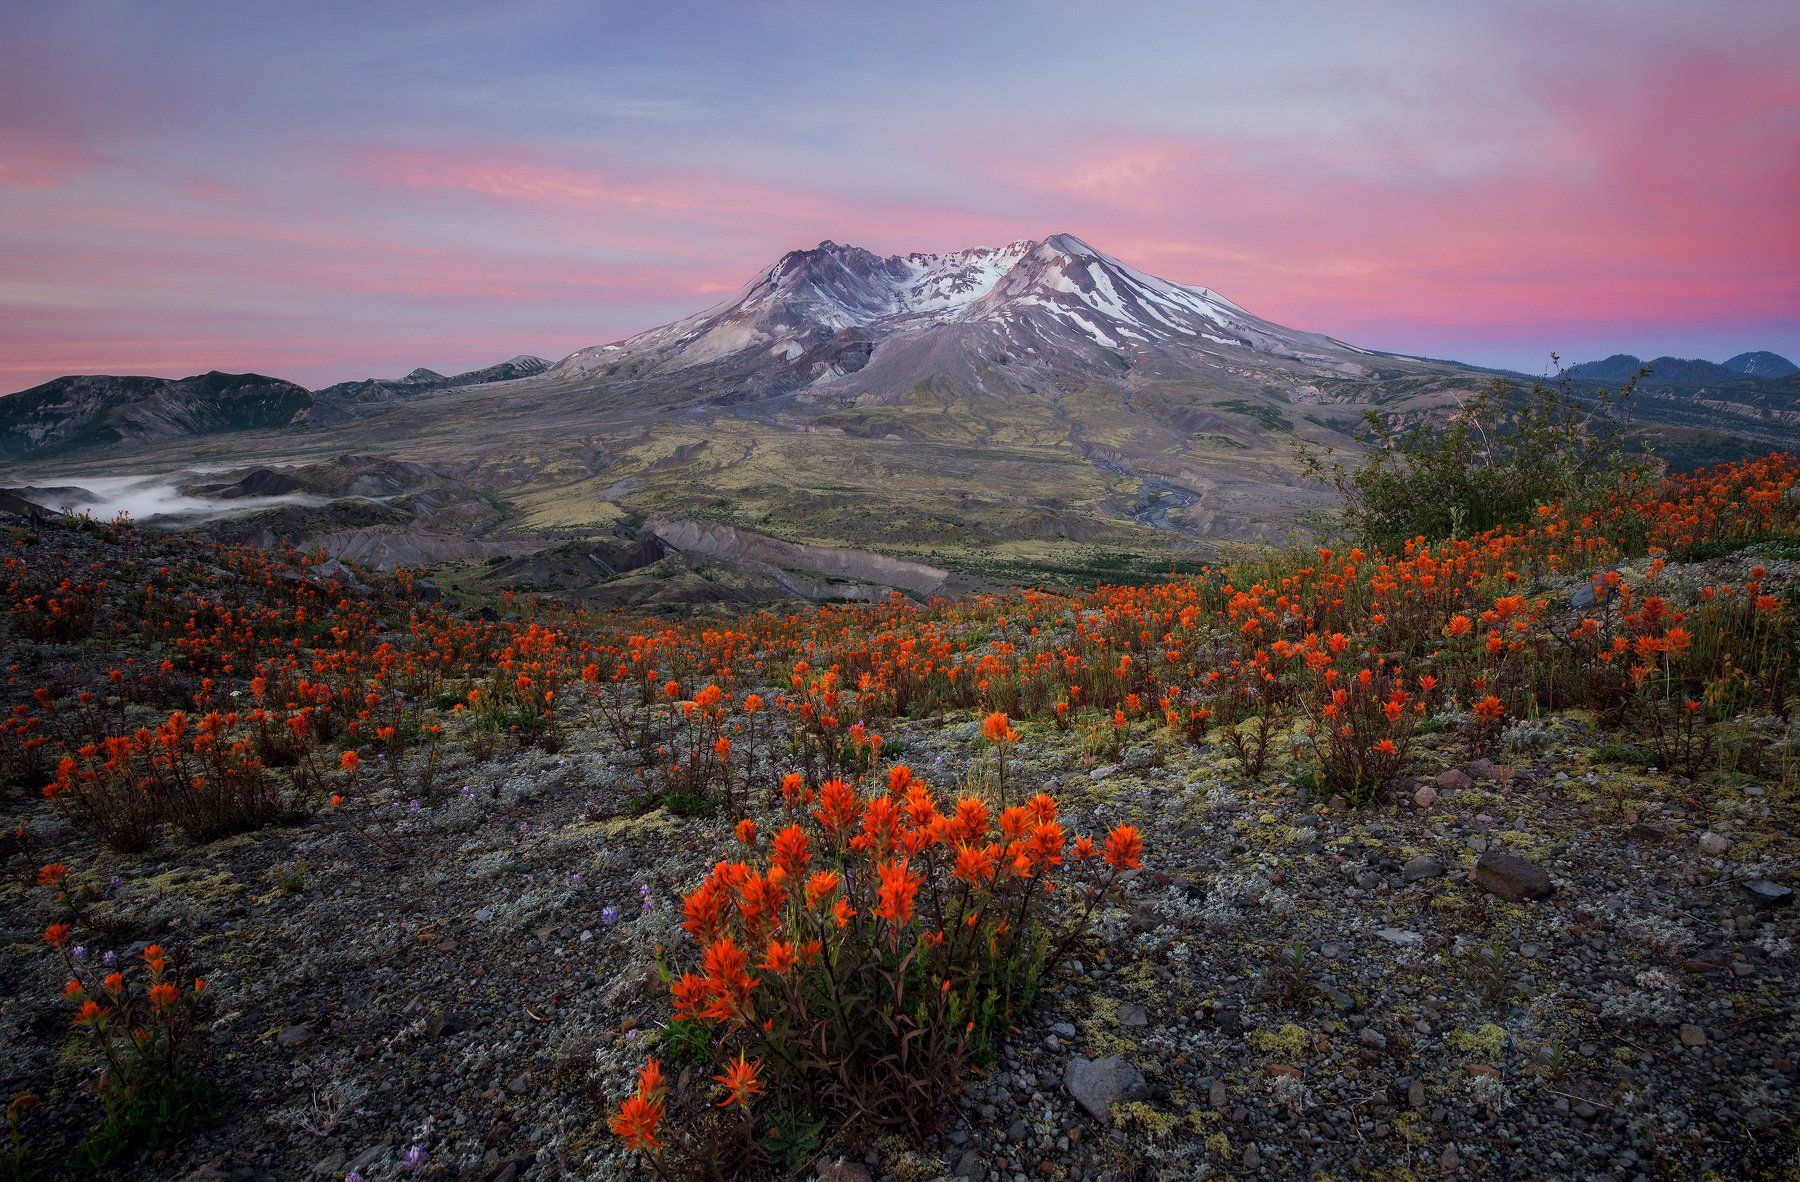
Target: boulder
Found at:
x=1764, y=892
x=1098, y=1084
x=1421, y=867
x=1512, y=877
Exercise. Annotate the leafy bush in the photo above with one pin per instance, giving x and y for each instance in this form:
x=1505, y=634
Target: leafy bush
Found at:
x=1500, y=458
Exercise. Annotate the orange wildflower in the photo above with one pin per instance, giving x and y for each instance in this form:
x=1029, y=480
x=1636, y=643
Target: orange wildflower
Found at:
x=792, y=851
x=779, y=958
x=635, y=1123
x=740, y=1080
x=1124, y=848
x=897, y=893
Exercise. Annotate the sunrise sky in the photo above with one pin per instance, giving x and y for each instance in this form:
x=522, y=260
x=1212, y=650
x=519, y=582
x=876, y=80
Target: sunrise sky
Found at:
x=324, y=191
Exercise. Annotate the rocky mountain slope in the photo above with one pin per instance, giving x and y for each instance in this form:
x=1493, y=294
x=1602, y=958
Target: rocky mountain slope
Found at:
x=841, y=323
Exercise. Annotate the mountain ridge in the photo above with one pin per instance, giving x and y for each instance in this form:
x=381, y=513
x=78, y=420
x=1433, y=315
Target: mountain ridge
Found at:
x=1685, y=371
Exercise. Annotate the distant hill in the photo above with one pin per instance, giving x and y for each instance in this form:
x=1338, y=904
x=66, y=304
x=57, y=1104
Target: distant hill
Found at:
x=1762, y=364
x=1035, y=405
x=339, y=401
x=98, y=410
x=1664, y=371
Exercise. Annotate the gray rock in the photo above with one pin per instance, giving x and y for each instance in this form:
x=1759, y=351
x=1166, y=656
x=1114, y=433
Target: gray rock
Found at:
x=1063, y=1030
x=368, y=1157
x=970, y=1167
x=1399, y=936
x=1421, y=867
x=1714, y=845
x=1133, y=1014
x=1765, y=893
x=1372, y=1038
x=1692, y=1035
x=293, y=1036
x=331, y=569
x=1098, y=1084
x=1511, y=877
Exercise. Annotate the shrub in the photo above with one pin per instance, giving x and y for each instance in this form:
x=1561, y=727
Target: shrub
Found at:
x=24, y=750
x=856, y=962
x=1503, y=455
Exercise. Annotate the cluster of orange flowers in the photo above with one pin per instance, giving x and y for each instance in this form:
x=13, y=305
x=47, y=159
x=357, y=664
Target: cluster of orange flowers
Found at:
x=952, y=904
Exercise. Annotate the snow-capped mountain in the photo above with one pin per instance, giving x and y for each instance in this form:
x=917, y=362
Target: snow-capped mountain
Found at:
x=840, y=320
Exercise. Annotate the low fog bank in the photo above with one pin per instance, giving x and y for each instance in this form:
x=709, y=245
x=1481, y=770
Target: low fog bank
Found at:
x=149, y=498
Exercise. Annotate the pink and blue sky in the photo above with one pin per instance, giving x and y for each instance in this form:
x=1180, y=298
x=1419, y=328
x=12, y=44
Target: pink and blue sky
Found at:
x=334, y=190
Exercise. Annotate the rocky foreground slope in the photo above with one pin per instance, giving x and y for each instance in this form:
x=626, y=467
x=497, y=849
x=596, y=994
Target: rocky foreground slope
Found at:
x=1538, y=954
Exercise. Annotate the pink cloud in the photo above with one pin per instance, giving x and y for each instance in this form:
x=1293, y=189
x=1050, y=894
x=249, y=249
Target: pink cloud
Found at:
x=1667, y=203
x=671, y=211
x=40, y=159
